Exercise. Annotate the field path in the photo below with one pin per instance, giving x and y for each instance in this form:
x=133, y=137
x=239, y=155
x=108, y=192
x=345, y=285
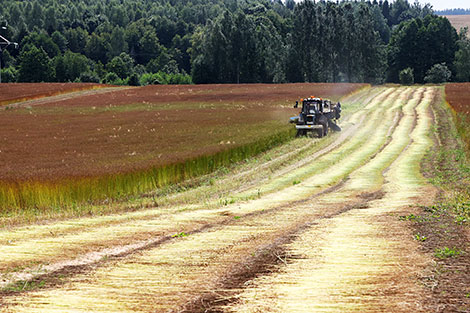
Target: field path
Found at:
x=61, y=96
x=319, y=233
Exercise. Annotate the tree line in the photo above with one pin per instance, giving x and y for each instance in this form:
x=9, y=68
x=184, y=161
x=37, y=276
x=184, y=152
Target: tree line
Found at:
x=459, y=11
x=139, y=42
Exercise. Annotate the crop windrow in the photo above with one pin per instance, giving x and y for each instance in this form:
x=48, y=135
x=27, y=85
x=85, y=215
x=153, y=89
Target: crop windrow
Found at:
x=359, y=254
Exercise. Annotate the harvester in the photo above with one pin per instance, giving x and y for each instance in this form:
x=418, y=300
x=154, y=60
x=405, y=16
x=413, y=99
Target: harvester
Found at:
x=317, y=116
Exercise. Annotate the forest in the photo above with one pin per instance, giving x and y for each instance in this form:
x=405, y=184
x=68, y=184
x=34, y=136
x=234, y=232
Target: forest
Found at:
x=140, y=42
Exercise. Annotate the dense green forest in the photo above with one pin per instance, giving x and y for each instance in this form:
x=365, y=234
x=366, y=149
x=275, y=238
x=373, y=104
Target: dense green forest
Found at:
x=140, y=42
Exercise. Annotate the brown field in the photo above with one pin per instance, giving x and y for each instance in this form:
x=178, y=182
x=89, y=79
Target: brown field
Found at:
x=16, y=92
x=458, y=97
x=459, y=21
x=137, y=129
x=142, y=127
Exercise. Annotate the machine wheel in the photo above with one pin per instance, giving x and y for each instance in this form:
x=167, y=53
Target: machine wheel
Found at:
x=334, y=127
x=300, y=133
x=324, y=122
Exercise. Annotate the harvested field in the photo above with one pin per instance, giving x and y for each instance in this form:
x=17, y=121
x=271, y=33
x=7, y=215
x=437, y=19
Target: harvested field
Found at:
x=94, y=146
x=311, y=226
x=459, y=21
x=17, y=92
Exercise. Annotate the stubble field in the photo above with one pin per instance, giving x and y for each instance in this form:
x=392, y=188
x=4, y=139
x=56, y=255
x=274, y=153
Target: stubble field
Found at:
x=459, y=21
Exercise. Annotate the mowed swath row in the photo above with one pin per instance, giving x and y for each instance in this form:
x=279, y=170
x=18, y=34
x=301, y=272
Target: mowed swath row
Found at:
x=365, y=254
x=169, y=276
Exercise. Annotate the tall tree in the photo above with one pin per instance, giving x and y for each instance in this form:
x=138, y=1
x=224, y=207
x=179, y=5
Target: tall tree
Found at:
x=462, y=57
x=117, y=42
x=97, y=48
x=35, y=65
x=421, y=43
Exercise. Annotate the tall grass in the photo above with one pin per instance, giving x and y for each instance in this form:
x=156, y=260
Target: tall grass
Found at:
x=462, y=122
x=44, y=196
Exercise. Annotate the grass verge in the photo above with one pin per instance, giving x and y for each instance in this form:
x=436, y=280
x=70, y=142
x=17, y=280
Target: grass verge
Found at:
x=443, y=228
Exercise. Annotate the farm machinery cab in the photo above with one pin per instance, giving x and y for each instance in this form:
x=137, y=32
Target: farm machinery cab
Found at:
x=317, y=115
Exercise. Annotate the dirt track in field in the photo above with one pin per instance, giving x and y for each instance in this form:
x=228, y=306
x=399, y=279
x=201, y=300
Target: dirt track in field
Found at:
x=323, y=234
x=11, y=93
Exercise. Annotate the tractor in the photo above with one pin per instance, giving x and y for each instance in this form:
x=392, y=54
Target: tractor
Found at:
x=317, y=116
